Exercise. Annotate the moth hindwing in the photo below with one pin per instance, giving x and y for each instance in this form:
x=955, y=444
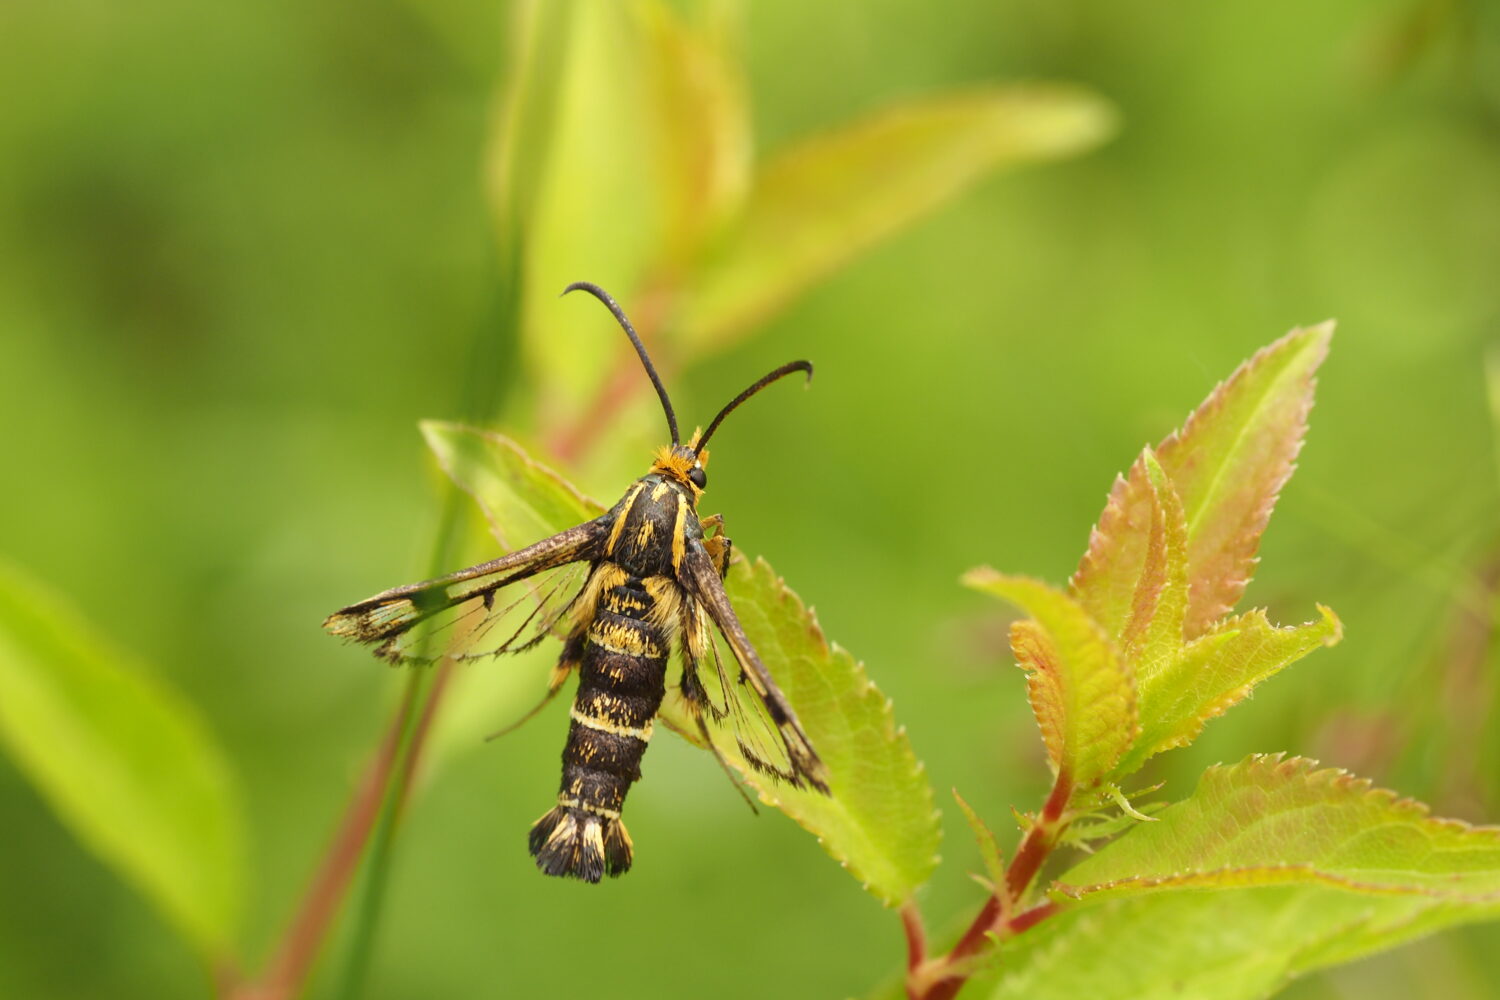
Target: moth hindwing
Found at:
x=621, y=592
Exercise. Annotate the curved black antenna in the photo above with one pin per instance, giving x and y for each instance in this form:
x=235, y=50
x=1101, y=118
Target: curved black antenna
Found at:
x=640, y=348
x=761, y=383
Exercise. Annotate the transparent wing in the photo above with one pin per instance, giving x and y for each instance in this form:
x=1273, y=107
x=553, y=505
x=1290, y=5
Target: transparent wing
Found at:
x=727, y=688
x=502, y=606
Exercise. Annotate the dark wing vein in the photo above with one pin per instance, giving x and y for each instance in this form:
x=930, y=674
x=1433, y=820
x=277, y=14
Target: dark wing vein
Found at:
x=739, y=695
x=465, y=614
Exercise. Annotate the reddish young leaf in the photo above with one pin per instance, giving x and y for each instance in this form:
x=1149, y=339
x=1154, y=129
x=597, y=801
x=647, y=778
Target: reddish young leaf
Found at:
x=1133, y=578
x=1230, y=461
x=1227, y=464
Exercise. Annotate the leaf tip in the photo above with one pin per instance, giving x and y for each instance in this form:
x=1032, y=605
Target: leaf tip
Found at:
x=1334, y=624
x=980, y=578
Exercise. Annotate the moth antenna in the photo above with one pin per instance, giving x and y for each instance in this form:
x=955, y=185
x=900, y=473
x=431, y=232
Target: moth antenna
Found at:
x=640, y=348
x=757, y=386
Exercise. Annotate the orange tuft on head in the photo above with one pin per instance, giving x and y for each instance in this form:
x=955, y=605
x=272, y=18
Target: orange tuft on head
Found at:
x=679, y=461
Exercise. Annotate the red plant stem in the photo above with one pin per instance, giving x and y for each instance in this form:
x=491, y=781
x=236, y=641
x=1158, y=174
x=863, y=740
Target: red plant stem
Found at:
x=916, y=936
x=974, y=938
x=569, y=444
x=993, y=917
x=1040, y=839
x=1025, y=921
x=424, y=725
x=287, y=972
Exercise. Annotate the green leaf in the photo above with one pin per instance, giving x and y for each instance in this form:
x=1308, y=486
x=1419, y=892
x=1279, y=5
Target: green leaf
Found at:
x=125, y=761
x=702, y=116
x=522, y=499
x=516, y=158
x=598, y=204
x=880, y=822
x=1230, y=460
x=1215, y=672
x=1272, y=869
x=1271, y=820
x=820, y=204
x=622, y=152
x=1133, y=579
x=1082, y=693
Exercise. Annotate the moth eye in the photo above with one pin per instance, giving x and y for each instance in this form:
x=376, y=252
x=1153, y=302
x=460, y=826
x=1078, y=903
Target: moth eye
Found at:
x=698, y=476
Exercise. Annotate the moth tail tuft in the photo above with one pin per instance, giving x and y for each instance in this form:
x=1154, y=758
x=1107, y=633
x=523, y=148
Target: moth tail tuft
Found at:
x=618, y=850
x=575, y=843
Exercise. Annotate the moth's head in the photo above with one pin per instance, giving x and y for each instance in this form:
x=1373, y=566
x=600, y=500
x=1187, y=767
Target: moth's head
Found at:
x=683, y=463
x=680, y=462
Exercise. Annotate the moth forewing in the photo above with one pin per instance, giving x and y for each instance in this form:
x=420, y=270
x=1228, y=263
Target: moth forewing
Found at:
x=766, y=730
x=465, y=603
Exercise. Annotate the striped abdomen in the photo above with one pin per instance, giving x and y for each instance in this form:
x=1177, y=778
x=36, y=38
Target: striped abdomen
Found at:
x=622, y=679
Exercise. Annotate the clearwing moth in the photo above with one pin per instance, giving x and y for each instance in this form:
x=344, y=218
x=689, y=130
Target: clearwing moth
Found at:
x=620, y=591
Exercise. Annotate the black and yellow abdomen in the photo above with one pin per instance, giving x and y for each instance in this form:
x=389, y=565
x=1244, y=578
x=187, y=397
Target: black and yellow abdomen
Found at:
x=622, y=680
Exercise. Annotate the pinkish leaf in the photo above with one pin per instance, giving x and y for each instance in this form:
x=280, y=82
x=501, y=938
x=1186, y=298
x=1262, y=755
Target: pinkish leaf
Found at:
x=1133, y=579
x=1230, y=460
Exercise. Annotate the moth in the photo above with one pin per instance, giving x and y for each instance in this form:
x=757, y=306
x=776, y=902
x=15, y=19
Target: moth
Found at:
x=622, y=592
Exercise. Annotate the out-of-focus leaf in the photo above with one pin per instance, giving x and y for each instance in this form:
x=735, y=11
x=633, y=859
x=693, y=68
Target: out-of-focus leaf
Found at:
x=521, y=135
x=1215, y=672
x=1271, y=869
x=599, y=207
x=1082, y=693
x=820, y=204
x=522, y=499
x=645, y=153
x=702, y=118
x=880, y=821
x=1230, y=460
x=125, y=761
x=1492, y=391
x=1133, y=578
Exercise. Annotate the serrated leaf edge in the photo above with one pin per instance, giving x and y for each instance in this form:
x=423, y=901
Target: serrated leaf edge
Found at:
x=985, y=579
x=1284, y=767
x=1257, y=876
x=890, y=730
x=1199, y=619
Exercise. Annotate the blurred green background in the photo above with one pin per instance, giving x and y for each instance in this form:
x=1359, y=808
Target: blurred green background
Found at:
x=247, y=246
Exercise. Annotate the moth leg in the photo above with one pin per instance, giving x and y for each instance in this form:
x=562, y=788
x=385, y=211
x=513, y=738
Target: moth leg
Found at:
x=719, y=547
x=572, y=655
